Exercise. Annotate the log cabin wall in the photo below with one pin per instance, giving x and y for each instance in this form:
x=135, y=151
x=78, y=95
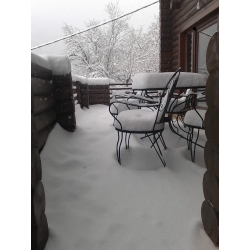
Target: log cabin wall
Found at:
x=176, y=16
x=181, y=16
x=166, y=37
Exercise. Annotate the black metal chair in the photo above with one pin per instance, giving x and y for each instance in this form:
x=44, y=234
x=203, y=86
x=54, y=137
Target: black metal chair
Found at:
x=145, y=121
x=194, y=119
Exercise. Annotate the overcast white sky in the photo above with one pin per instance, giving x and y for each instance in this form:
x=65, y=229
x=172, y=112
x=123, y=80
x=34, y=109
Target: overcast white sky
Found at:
x=48, y=16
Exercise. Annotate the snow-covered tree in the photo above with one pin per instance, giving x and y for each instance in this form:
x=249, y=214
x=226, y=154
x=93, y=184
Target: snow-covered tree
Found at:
x=115, y=50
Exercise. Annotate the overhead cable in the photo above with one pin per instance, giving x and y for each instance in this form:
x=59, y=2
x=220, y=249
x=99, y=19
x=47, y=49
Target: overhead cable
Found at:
x=93, y=27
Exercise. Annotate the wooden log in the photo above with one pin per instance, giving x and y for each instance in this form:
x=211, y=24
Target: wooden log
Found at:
x=65, y=107
x=39, y=234
x=43, y=136
x=210, y=220
x=44, y=119
x=34, y=133
x=211, y=189
x=32, y=101
x=212, y=56
x=41, y=72
x=43, y=103
x=98, y=91
x=41, y=86
x=211, y=156
x=62, y=80
x=93, y=87
x=37, y=204
x=99, y=101
x=212, y=124
x=63, y=93
x=36, y=167
x=68, y=122
x=33, y=172
x=212, y=89
x=99, y=96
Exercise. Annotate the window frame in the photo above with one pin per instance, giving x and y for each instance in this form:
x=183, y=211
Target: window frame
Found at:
x=194, y=29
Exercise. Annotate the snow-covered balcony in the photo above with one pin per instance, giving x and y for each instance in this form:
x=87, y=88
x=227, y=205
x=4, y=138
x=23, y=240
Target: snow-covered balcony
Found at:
x=92, y=202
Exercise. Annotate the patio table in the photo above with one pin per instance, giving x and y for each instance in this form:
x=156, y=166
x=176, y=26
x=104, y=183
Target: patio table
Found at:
x=157, y=81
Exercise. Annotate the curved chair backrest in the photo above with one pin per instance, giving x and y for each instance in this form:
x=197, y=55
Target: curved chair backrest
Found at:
x=166, y=97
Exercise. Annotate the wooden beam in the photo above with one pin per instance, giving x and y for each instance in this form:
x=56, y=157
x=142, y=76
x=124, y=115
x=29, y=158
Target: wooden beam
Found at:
x=199, y=15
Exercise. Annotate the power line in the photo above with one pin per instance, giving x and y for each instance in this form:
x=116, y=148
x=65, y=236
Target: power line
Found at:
x=76, y=33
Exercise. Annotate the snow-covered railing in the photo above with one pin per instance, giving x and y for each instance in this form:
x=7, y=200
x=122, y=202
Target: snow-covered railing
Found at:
x=120, y=88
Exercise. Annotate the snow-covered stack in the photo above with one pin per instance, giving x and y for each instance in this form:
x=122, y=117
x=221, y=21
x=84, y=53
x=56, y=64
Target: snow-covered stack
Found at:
x=210, y=206
x=63, y=92
x=43, y=118
x=82, y=90
x=51, y=102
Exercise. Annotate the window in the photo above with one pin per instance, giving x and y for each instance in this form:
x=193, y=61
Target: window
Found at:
x=196, y=40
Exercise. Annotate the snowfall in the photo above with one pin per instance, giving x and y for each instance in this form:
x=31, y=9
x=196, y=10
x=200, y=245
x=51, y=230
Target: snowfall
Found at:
x=94, y=203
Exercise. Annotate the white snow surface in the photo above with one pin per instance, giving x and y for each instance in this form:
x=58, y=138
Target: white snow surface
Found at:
x=81, y=79
x=40, y=61
x=93, y=203
x=59, y=64
x=159, y=80
x=98, y=81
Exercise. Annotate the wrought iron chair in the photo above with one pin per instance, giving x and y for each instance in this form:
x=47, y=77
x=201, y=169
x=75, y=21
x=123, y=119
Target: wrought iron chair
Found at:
x=194, y=119
x=145, y=121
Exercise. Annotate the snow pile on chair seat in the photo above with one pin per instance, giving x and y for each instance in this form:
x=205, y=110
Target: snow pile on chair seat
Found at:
x=137, y=120
x=193, y=119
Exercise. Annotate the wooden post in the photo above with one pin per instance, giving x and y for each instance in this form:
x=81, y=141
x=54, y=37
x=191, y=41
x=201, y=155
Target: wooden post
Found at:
x=65, y=106
x=210, y=206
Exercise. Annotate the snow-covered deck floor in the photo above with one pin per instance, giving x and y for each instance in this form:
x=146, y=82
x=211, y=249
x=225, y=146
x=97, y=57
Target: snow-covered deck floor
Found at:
x=93, y=203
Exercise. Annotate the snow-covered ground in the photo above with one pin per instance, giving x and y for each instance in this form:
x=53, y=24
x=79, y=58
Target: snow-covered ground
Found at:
x=93, y=203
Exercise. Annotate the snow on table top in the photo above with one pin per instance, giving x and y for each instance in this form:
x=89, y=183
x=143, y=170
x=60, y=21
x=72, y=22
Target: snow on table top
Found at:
x=159, y=80
x=59, y=65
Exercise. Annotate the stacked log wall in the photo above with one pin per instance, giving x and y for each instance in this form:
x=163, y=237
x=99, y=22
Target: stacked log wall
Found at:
x=82, y=91
x=43, y=118
x=165, y=36
x=65, y=105
x=52, y=101
x=210, y=206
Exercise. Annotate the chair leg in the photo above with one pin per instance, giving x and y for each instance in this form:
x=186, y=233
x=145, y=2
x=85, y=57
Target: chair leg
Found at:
x=193, y=153
x=161, y=139
x=118, y=146
x=157, y=149
x=127, y=138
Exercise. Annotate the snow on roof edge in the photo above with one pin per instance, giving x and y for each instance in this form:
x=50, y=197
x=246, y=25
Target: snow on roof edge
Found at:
x=59, y=64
